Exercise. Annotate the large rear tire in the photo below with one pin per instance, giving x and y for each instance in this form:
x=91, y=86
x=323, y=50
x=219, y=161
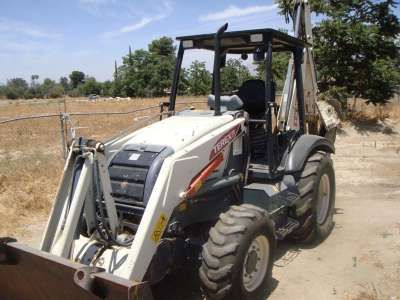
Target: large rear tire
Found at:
x=238, y=257
x=317, y=190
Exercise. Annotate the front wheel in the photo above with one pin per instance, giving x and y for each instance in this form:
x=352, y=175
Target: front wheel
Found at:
x=238, y=257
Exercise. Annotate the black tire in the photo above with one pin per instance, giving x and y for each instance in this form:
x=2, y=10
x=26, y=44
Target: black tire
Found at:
x=312, y=230
x=226, y=250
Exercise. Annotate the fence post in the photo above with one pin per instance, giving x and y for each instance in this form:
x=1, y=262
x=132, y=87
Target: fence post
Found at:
x=161, y=110
x=62, y=124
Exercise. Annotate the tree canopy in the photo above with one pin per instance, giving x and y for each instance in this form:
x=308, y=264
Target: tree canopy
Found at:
x=198, y=78
x=356, y=48
x=146, y=73
x=76, y=77
x=233, y=75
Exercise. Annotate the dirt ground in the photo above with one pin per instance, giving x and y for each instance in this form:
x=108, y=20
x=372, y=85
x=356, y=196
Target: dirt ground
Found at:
x=359, y=260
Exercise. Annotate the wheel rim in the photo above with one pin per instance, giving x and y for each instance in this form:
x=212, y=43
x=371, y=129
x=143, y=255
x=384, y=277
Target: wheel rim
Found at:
x=256, y=263
x=324, y=193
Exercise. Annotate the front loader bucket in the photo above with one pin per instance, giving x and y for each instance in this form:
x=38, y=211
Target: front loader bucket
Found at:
x=30, y=274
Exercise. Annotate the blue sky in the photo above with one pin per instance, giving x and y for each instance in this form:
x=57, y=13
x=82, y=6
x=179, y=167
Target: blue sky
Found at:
x=52, y=38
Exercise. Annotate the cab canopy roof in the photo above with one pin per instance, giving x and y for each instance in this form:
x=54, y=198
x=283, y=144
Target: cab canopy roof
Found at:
x=245, y=41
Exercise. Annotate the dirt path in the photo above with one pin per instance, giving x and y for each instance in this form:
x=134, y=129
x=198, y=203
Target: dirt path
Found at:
x=361, y=258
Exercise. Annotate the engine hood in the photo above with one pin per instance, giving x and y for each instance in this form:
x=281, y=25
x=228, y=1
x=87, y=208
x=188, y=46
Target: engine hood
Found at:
x=178, y=131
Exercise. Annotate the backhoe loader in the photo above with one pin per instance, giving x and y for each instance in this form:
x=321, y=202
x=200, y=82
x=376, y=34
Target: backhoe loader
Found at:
x=215, y=188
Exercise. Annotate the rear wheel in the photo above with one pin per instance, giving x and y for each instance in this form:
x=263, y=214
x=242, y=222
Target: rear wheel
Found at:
x=238, y=257
x=317, y=190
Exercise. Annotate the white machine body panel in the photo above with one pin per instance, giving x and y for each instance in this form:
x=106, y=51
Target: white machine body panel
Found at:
x=196, y=140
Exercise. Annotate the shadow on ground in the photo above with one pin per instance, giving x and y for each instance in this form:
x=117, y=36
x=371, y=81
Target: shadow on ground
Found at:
x=365, y=125
x=184, y=284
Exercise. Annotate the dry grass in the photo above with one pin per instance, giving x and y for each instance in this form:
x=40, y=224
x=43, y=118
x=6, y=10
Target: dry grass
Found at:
x=369, y=118
x=359, y=109
x=30, y=152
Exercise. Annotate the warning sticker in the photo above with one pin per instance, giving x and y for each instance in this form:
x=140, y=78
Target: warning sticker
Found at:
x=159, y=228
x=134, y=156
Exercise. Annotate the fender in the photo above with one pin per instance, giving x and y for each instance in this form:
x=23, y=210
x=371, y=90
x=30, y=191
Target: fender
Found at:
x=299, y=152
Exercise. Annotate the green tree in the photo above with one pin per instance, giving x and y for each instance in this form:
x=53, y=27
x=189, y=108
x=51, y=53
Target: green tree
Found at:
x=233, y=75
x=2, y=91
x=76, y=77
x=146, y=73
x=56, y=91
x=90, y=86
x=355, y=48
x=163, y=46
x=106, y=88
x=183, y=84
x=64, y=83
x=162, y=52
x=34, y=89
x=280, y=61
x=135, y=74
x=117, y=89
x=46, y=86
x=34, y=79
x=199, y=79
x=16, y=88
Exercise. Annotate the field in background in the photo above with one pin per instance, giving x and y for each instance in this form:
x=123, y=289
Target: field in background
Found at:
x=31, y=153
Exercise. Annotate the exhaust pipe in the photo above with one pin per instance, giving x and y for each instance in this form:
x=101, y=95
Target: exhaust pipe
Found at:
x=217, y=65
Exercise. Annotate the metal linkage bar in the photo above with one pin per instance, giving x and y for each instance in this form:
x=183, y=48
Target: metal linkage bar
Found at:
x=62, y=194
x=64, y=234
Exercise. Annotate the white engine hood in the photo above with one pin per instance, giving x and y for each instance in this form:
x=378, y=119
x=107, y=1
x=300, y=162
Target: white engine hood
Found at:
x=177, y=132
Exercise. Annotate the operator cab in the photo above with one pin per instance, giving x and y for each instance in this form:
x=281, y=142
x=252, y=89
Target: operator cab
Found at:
x=256, y=97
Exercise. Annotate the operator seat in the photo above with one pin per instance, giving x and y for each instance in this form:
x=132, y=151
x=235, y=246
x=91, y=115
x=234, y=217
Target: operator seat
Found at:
x=252, y=93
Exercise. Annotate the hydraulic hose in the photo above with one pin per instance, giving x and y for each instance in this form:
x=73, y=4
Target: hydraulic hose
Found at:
x=98, y=198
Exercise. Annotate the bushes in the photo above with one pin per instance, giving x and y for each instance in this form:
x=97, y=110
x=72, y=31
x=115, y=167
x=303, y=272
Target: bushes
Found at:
x=56, y=91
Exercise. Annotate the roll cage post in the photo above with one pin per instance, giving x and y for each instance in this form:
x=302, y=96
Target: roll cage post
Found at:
x=269, y=103
x=175, y=80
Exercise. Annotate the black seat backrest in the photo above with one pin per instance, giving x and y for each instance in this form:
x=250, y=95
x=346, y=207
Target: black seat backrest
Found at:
x=252, y=93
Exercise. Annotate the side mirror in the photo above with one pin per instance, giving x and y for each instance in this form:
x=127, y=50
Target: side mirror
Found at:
x=259, y=55
x=244, y=56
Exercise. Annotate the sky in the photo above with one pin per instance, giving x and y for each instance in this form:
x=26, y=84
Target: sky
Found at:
x=52, y=38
